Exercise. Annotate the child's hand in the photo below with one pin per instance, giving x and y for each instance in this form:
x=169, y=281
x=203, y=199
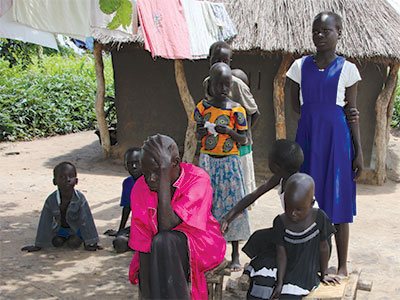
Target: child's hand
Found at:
x=352, y=113
x=358, y=165
x=223, y=224
x=202, y=131
x=111, y=232
x=222, y=129
x=30, y=248
x=276, y=292
x=330, y=280
x=93, y=247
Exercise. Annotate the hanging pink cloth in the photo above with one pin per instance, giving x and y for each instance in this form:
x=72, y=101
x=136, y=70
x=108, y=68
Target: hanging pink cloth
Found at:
x=192, y=203
x=164, y=28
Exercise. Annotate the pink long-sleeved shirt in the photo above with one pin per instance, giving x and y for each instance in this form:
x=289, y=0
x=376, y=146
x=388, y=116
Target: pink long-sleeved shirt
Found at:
x=192, y=203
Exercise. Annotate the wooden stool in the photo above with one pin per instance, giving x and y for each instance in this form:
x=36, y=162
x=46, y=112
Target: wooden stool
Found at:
x=215, y=280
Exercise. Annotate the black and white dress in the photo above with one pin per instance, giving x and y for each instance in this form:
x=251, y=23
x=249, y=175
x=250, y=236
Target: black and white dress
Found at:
x=302, y=250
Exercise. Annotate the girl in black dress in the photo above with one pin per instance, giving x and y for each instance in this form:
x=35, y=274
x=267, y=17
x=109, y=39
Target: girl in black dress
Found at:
x=300, y=250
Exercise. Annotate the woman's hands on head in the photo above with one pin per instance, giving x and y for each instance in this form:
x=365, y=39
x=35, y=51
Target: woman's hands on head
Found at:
x=161, y=150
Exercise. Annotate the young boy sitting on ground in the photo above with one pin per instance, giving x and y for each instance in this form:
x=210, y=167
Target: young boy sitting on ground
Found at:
x=132, y=165
x=66, y=217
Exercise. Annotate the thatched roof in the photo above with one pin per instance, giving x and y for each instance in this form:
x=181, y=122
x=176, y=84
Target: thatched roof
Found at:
x=371, y=28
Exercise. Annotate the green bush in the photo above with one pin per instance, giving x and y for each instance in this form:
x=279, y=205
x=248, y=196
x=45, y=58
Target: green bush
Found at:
x=53, y=95
x=396, y=108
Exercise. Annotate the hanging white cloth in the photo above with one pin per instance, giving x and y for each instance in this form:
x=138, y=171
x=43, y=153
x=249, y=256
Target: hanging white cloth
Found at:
x=200, y=38
x=15, y=31
x=218, y=22
x=67, y=17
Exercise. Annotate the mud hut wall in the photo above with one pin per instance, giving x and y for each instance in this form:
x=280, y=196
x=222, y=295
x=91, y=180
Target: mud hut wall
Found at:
x=261, y=70
x=145, y=92
x=373, y=76
x=147, y=97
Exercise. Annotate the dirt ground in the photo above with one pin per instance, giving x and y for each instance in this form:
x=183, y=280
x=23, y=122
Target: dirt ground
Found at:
x=26, y=180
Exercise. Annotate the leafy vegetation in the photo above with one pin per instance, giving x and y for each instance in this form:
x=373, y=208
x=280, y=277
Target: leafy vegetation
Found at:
x=396, y=109
x=123, y=9
x=17, y=52
x=54, y=94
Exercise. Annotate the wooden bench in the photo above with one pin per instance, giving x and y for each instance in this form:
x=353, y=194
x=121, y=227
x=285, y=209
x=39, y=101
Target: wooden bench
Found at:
x=215, y=280
x=347, y=290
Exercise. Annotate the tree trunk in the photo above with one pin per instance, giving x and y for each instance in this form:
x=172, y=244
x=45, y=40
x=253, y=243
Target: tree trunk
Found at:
x=382, y=107
x=279, y=96
x=99, y=103
x=188, y=103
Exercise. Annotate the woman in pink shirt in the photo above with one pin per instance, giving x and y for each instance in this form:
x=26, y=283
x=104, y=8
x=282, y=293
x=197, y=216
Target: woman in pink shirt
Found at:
x=175, y=236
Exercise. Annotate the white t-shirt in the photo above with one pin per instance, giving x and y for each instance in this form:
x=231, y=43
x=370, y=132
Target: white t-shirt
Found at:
x=348, y=77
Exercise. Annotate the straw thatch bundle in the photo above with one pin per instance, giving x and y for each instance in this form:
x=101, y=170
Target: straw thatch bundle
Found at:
x=371, y=28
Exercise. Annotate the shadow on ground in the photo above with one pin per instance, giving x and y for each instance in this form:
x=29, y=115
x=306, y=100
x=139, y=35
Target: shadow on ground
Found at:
x=60, y=273
x=89, y=160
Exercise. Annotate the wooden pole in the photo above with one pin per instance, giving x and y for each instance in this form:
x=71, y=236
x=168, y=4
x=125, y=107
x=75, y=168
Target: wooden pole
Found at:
x=188, y=103
x=381, y=109
x=390, y=110
x=99, y=102
x=279, y=96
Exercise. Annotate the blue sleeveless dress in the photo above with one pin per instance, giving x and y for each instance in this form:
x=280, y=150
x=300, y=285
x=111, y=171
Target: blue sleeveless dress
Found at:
x=324, y=136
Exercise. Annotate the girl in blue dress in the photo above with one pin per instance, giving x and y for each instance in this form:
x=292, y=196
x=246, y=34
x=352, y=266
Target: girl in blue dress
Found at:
x=321, y=83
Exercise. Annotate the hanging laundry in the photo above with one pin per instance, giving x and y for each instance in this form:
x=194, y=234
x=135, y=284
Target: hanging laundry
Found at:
x=67, y=17
x=164, y=28
x=219, y=24
x=227, y=30
x=15, y=31
x=209, y=17
x=87, y=44
x=200, y=38
x=100, y=20
x=5, y=6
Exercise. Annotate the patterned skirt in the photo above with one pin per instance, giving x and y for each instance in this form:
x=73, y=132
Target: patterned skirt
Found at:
x=228, y=189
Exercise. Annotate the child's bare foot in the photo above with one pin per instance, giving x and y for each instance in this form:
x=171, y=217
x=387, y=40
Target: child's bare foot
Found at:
x=332, y=270
x=58, y=241
x=235, y=265
x=93, y=247
x=30, y=248
x=111, y=232
x=74, y=241
x=342, y=271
